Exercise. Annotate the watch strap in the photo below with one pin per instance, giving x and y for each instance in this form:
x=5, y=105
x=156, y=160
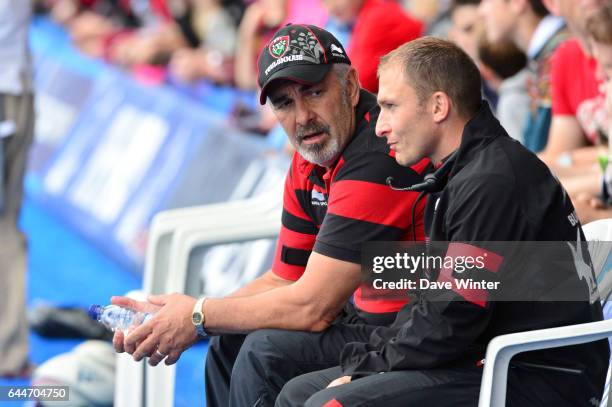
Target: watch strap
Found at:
x=197, y=309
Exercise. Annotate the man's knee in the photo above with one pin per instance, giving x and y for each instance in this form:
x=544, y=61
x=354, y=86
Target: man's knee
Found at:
x=290, y=395
x=222, y=351
x=263, y=346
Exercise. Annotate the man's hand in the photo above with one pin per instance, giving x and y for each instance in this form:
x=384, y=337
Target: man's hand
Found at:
x=132, y=304
x=340, y=381
x=168, y=333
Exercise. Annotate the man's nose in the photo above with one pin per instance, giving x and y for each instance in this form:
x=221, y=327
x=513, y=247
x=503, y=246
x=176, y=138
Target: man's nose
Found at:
x=382, y=127
x=303, y=114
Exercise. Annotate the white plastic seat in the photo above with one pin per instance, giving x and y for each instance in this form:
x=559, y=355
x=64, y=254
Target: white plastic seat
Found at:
x=173, y=237
x=502, y=348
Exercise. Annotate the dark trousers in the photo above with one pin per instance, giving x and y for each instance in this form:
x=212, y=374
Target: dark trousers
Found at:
x=245, y=371
x=456, y=386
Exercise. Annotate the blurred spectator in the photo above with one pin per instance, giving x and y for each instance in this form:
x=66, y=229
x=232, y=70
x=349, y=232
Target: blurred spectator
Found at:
x=90, y=22
x=599, y=31
x=65, y=12
x=150, y=31
x=16, y=133
x=159, y=34
x=212, y=29
x=435, y=15
x=466, y=26
x=466, y=30
x=306, y=12
x=369, y=29
x=502, y=65
x=261, y=20
x=536, y=33
x=108, y=28
x=148, y=45
x=426, y=11
x=577, y=103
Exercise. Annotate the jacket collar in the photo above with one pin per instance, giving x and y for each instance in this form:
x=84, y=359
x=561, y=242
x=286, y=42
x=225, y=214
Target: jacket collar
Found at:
x=478, y=132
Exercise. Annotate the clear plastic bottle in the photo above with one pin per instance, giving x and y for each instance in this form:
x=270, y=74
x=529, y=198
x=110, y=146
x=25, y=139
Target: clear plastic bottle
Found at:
x=116, y=318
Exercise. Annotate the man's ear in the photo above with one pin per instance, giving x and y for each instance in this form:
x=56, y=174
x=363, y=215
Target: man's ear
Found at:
x=352, y=82
x=440, y=106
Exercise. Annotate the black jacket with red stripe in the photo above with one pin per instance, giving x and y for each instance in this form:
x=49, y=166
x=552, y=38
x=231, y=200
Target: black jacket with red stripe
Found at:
x=496, y=191
x=334, y=210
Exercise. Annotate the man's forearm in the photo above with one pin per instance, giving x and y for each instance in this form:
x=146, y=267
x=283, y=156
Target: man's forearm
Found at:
x=263, y=283
x=308, y=304
x=272, y=309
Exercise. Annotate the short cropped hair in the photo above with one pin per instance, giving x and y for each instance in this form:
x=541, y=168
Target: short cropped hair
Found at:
x=435, y=65
x=599, y=25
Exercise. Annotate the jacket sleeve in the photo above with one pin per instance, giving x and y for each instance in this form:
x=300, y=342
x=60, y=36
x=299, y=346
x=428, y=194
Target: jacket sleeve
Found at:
x=437, y=330
x=425, y=335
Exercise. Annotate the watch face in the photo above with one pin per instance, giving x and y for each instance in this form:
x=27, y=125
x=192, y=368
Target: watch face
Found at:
x=196, y=319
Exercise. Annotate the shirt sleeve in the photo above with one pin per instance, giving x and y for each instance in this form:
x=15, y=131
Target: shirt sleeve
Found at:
x=362, y=208
x=296, y=238
x=445, y=326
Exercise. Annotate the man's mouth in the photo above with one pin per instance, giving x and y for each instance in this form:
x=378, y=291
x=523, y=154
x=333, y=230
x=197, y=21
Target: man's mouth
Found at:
x=313, y=138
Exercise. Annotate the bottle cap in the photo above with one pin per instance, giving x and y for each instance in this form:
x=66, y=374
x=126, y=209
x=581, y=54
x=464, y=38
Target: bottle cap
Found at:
x=95, y=311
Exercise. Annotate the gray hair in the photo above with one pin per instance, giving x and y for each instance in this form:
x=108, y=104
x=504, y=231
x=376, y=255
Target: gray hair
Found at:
x=342, y=71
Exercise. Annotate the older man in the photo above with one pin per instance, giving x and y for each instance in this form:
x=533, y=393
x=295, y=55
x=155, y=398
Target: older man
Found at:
x=335, y=199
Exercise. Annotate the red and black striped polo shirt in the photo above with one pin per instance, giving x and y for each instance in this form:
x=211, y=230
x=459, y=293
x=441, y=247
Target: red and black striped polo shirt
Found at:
x=334, y=210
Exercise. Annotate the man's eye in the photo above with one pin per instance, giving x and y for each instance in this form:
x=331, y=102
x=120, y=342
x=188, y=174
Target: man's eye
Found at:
x=282, y=105
x=316, y=92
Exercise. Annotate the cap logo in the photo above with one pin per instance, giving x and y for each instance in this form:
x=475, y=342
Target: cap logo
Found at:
x=283, y=60
x=279, y=46
x=337, y=49
x=309, y=46
x=300, y=46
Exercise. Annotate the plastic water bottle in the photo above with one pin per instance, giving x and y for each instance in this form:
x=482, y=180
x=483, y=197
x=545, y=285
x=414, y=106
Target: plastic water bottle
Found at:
x=116, y=318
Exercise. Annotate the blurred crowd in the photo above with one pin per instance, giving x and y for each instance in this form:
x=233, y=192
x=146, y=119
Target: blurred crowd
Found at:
x=545, y=63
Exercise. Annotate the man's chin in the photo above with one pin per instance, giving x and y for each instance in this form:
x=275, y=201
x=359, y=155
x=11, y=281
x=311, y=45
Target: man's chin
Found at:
x=319, y=157
x=406, y=161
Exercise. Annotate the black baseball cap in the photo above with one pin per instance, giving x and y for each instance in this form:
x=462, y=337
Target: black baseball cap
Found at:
x=300, y=53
